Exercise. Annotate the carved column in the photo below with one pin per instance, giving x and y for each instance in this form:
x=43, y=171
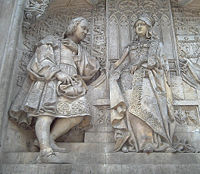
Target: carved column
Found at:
x=12, y=11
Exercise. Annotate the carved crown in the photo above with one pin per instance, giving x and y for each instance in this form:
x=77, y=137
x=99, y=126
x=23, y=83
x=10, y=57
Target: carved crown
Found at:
x=147, y=18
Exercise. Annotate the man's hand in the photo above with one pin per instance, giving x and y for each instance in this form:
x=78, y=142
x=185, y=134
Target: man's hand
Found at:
x=65, y=78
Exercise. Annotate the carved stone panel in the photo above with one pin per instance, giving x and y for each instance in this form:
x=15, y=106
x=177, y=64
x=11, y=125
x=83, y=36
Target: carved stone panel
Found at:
x=139, y=108
x=111, y=29
x=187, y=29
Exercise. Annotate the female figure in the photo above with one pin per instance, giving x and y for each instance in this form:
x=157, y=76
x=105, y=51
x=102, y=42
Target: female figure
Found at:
x=141, y=103
x=58, y=73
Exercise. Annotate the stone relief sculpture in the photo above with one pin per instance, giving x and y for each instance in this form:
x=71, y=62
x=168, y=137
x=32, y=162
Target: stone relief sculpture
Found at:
x=58, y=74
x=142, y=114
x=190, y=72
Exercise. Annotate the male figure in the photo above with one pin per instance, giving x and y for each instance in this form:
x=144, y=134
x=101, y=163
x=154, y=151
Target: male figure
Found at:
x=58, y=71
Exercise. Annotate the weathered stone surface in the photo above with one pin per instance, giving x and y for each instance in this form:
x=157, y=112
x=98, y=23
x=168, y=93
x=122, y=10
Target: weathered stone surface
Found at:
x=94, y=137
x=11, y=18
x=39, y=169
x=190, y=134
x=110, y=158
x=106, y=163
x=101, y=129
x=190, y=92
x=23, y=139
x=111, y=24
x=97, y=147
x=101, y=169
x=177, y=88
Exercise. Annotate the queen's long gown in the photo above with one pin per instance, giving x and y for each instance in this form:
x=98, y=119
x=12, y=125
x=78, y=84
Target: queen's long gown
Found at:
x=141, y=105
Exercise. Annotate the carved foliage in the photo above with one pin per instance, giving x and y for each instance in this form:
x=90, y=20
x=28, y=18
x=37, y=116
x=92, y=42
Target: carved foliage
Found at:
x=98, y=35
x=187, y=115
x=34, y=9
x=102, y=116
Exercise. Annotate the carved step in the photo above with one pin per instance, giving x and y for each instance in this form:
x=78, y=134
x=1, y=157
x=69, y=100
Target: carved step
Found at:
x=109, y=158
x=101, y=129
x=99, y=137
x=100, y=169
x=36, y=169
x=88, y=147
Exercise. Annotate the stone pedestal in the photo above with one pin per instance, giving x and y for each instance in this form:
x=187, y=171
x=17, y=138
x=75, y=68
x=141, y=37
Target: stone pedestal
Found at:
x=78, y=162
x=95, y=156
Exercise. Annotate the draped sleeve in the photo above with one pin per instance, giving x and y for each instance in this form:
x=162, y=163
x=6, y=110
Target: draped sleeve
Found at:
x=43, y=65
x=39, y=82
x=87, y=65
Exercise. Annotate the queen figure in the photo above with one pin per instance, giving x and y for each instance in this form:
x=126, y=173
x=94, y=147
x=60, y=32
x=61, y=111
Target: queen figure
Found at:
x=140, y=96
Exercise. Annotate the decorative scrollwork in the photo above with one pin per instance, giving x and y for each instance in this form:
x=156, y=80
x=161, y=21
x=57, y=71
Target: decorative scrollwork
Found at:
x=34, y=9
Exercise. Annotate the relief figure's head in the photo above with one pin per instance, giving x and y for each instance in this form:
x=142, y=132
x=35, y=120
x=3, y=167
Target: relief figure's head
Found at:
x=143, y=25
x=77, y=29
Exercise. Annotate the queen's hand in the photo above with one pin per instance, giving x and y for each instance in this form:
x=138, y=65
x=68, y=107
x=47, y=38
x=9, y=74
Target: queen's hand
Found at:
x=133, y=69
